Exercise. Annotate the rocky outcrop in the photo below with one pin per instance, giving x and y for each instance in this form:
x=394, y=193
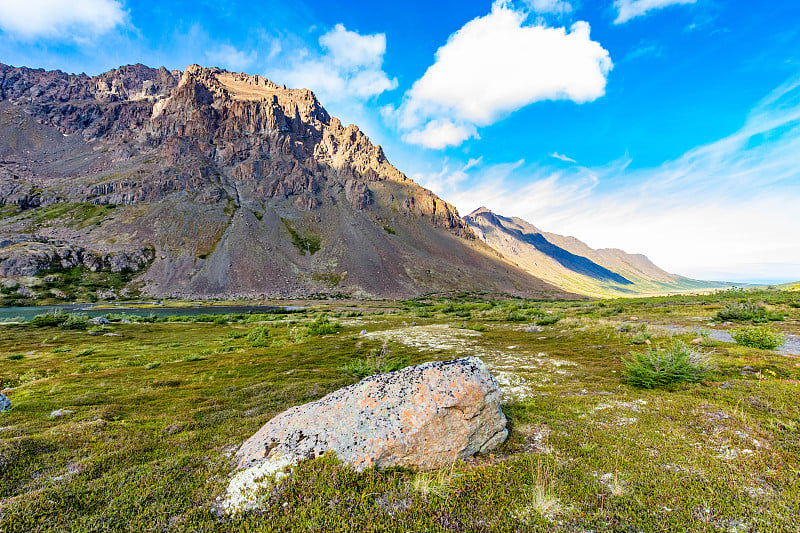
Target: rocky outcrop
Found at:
x=421, y=417
x=30, y=258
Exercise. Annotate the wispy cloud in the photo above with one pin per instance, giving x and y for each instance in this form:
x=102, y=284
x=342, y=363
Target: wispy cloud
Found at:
x=562, y=157
x=495, y=65
x=629, y=9
x=731, y=202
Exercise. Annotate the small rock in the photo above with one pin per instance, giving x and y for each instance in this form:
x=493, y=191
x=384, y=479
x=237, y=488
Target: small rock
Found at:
x=99, y=321
x=363, y=332
x=413, y=323
x=634, y=318
x=60, y=412
x=647, y=341
x=5, y=403
x=698, y=340
x=533, y=329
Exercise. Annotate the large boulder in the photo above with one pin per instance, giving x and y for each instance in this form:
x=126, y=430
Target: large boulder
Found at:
x=421, y=417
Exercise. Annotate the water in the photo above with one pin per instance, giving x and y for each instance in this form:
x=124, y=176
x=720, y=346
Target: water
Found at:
x=8, y=313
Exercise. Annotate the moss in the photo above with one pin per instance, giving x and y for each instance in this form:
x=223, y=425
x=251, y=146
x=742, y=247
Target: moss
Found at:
x=310, y=243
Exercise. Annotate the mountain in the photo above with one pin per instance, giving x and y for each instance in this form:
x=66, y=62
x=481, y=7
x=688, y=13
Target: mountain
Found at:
x=570, y=264
x=211, y=184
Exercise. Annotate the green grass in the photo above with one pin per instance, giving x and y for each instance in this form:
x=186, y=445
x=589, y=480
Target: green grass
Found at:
x=158, y=412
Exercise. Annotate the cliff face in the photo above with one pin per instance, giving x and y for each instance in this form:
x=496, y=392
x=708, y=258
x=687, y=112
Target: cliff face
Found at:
x=226, y=184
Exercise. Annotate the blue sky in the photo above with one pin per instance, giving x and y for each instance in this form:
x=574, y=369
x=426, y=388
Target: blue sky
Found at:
x=665, y=127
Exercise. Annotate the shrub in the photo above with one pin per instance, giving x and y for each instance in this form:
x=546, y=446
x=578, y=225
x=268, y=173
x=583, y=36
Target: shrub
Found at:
x=50, y=319
x=258, y=337
x=748, y=310
x=548, y=320
x=15, y=356
x=758, y=337
x=60, y=319
x=323, y=326
x=75, y=322
x=377, y=362
x=658, y=368
x=641, y=338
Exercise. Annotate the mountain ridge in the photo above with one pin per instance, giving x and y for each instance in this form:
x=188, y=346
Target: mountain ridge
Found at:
x=206, y=183
x=569, y=263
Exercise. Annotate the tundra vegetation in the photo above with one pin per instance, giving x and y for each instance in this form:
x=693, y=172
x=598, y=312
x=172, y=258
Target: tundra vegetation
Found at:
x=136, y=430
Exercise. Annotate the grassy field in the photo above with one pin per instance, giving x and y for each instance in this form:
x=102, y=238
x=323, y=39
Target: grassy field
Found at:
x=136, y=431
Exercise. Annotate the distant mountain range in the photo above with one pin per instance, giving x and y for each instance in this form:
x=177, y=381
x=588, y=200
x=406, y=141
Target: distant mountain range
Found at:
x=572, y=265
x=211, y=184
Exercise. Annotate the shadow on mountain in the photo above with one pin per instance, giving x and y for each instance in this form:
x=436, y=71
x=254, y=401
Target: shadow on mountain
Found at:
x=576, y=263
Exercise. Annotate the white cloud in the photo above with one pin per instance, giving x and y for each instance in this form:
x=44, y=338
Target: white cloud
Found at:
x=348, y=67
x=351, y=50
x=440, y=134
x=495, y=65
x=74, y=20
x=230, y=57
x=628, y=9
x=728, y=208
x=556, y=7
x=562, y=157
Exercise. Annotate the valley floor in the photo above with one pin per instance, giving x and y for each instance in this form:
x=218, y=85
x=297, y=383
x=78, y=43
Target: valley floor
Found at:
x=132, y=426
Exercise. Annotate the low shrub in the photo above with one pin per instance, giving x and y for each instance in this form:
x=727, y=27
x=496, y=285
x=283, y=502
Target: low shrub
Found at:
x=258, y=337
x=661, y=367
x=748, y=310
x=377, y=362
x=757, y=337
x=15, y=356
x=323, y=326
x=548, y=320
x=59, y=319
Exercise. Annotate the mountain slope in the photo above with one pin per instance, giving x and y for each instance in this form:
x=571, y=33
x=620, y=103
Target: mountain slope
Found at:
x=572, y=265
x=207, y=183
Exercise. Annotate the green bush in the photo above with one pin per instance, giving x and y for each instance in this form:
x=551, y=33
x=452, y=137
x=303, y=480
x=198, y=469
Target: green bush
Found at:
x=323, y=326
x=662, y=367
x=15, y=356
x=258, y=337
x=548, y=320
x=757, y=337
x=48, y=320
x=748, y=310
x=60, y=319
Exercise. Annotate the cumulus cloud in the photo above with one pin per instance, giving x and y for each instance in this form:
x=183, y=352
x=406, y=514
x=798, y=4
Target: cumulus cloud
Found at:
x=74, y=20
x=349, y=65
x=495, y=65
x=628, y=9
x=725, y=210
